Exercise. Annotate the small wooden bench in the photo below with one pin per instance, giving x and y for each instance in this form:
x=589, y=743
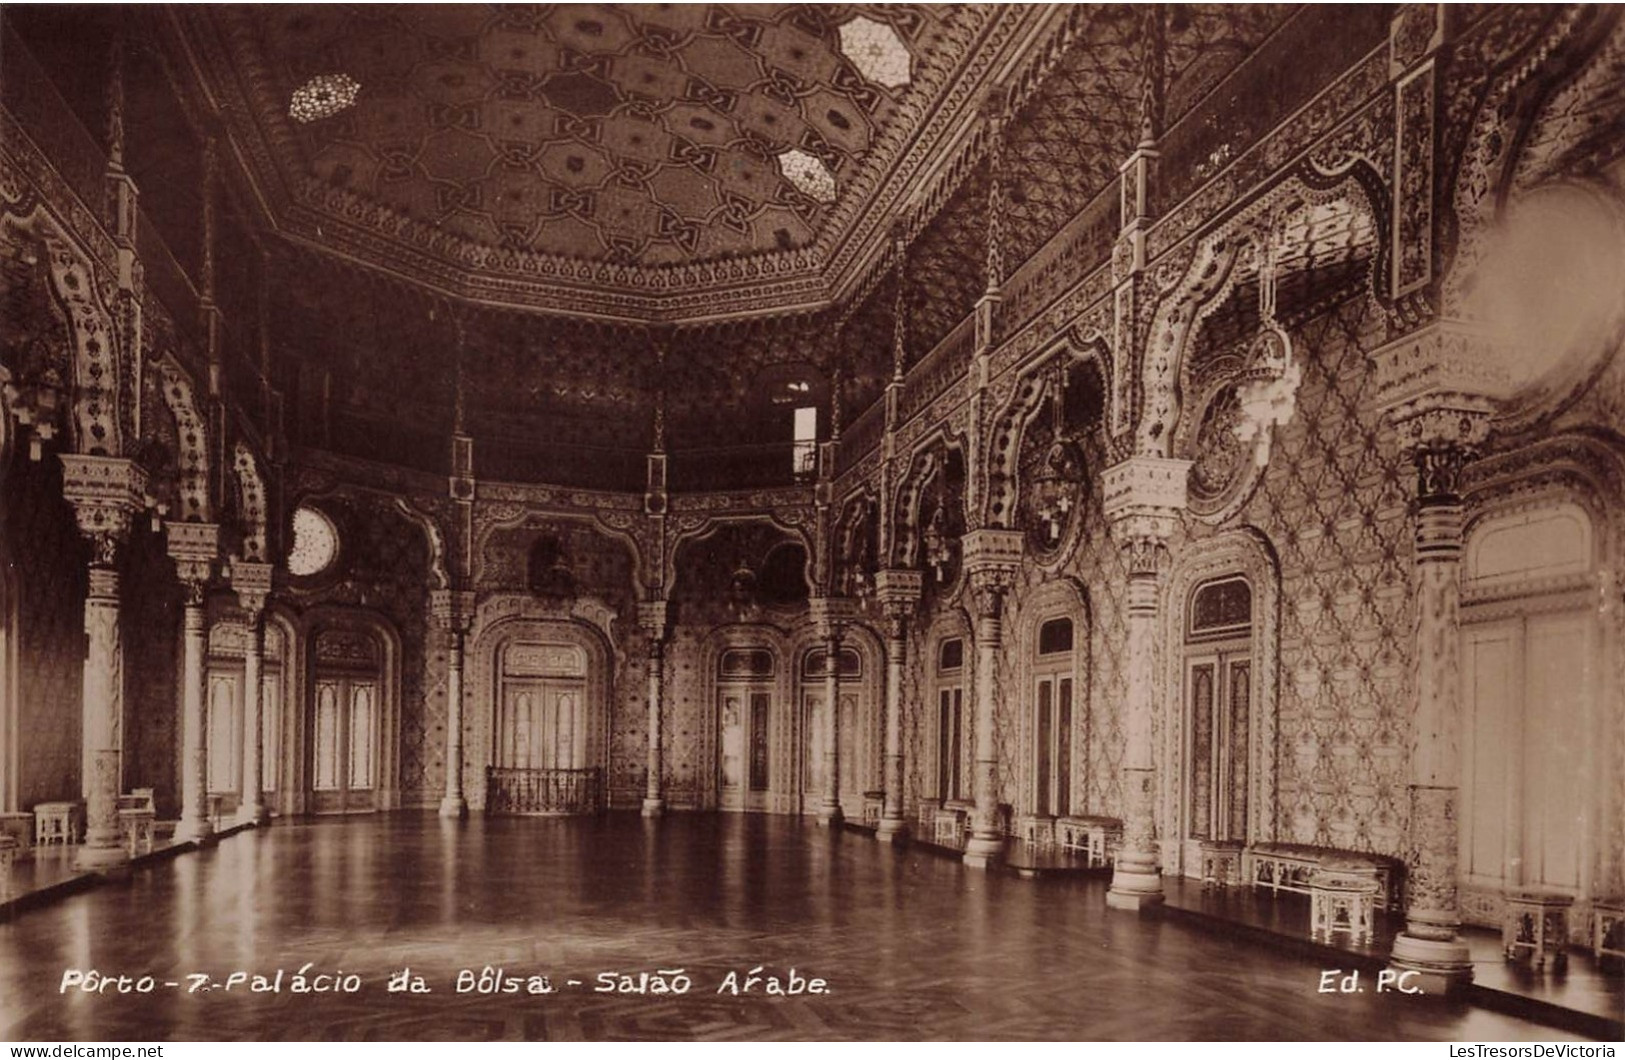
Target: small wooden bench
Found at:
x=874, y=804
x=1036, y=831
x=1096, y=838
x=57, y=822
x=1290, y=867
x=1221, y=863
x=952, y=823
x=137, y=821
x=1536, y=927
x=1607, y=928
x=9, y=848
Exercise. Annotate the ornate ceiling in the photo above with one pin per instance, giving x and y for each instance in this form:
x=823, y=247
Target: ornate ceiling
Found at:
x=624, y=206
x=658, y=162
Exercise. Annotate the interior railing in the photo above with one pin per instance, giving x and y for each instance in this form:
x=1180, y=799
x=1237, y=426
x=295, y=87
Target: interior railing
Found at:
x=543, y=791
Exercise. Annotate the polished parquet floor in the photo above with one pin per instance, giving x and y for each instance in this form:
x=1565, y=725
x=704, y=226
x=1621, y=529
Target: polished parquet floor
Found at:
x=912, y=946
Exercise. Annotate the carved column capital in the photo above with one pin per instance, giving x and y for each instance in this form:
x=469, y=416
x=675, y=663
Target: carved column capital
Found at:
x=898, y=591
x=453, y=609
x=653, y=616
x=1143, y=499
x=252, y=584
x=987, y=591
x=1145, y=487
x=194, y=547
x=992, y=561
x=106, y=493
x=831, y=615
x=1440, y=385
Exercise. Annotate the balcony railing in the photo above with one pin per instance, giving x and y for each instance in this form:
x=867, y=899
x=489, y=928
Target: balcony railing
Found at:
x=543, y=791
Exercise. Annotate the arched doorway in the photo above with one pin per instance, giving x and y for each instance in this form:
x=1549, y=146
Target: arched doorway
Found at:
x=858, y=757
x=227, y=740
x=541, y=698
x=349, y=715
x=746, y=679
x=1217, y=717
x=949, y=775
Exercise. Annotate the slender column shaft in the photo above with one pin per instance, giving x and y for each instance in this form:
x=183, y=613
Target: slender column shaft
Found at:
x=253, y=805
x=453, y=804
x=1431, y=943
x=194, y=824
x=654, y=802
x=102, y=686
x=989, y=635
x=891, y=815
x=829, y=810
x=1136, y=877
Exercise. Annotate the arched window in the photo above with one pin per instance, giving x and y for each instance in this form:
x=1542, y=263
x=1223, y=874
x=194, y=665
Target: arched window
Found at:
x=950, y=718
x=1217, y=729
x=1053, y=682
x=1533, y=802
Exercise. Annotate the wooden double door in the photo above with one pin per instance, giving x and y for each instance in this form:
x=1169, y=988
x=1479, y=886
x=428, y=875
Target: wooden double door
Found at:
x=544, y=724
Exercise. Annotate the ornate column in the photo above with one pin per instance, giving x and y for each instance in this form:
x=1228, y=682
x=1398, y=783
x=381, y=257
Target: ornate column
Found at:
x=252, y=584
x=193, y=547
x=1143, y=499
x=830, y=616
x=453, y=609
x=1438, y=386
x=992, y=560
x=652, y=617
x=898, y=592
x=105, y=493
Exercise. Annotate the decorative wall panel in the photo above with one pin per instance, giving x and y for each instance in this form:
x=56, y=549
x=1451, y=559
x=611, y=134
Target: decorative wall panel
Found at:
x=1333, y=503
x=150, y=613
x=41, y=537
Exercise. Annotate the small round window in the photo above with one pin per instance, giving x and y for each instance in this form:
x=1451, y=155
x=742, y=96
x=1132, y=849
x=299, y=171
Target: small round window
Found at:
x=315, y=543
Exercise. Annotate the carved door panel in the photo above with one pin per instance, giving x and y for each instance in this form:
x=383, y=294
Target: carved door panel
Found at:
x=225, y=715
x=743, y=763
x=812, y=744
x=541, y=724
x=1052, y=724
x=734, y=724
x=1218, y=704
x=950, y=743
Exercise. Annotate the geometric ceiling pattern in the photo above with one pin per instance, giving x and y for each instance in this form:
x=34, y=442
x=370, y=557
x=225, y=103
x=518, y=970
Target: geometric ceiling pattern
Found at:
x=650, y=163
x=602, y=132
x=662, y=161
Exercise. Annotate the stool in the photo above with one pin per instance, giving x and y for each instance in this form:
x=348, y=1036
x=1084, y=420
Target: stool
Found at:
x=8, y=858
x=135, y=828
x=1343, y=897
x=1607, y=928
x=1536, y=924
x=1221, y=863
x=56, y=822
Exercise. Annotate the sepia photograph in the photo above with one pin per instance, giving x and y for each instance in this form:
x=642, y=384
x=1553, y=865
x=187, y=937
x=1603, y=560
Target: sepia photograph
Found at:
x=700, y=522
